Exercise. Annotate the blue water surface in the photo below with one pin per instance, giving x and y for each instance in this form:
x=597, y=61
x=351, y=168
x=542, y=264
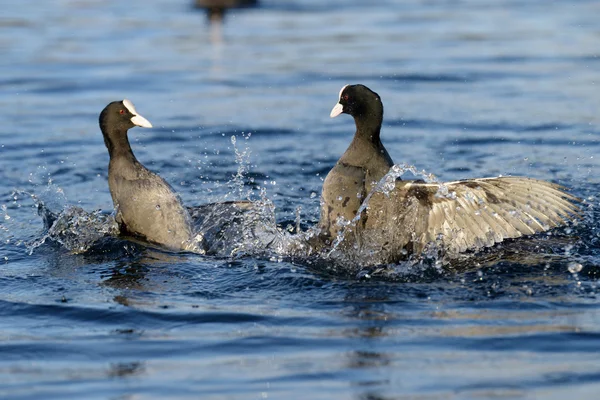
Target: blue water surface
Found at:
x=470, y=89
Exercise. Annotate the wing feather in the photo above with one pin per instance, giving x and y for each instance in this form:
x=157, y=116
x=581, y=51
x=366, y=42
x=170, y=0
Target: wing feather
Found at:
x=481, y=212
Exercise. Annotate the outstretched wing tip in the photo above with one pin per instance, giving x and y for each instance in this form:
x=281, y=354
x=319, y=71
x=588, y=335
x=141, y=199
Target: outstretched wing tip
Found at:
x=485, y=211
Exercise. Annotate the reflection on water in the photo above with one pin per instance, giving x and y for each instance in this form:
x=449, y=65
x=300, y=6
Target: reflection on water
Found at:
x=216, y=9
x=125, y=370
x=127, y=276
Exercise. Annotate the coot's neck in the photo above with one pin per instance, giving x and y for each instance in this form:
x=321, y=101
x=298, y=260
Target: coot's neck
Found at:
x=117, y=143
x=366, y=148
x=368, y=127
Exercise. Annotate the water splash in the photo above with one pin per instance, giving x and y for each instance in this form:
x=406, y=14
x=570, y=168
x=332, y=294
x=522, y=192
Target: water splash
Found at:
x=309, y=248
x=75, y=229
x=15, y=225
x=574, y=267
x=236, y=228
x=385, y=186
x=5, y=234
x=248, y=227
x=241, y=227
x=242, y=159
x=72, y=227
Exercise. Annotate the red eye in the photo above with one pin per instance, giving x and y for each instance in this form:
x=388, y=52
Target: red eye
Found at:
x=121, y=111
x=345, y=97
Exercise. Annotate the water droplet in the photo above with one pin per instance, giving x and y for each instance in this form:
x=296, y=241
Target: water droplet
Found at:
x=158, y=206
x=313, y=195
x=574, y=267
x=363, y=275
x=568, y=249
x=340, y=198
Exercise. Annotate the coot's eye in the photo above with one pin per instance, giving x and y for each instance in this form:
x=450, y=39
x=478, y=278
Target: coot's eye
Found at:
x=345, y=97
x=121, y=111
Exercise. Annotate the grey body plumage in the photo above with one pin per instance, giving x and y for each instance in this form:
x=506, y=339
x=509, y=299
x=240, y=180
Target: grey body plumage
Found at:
x=145, y=204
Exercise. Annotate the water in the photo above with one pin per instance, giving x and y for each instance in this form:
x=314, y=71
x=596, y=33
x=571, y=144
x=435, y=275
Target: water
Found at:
x=470, y=89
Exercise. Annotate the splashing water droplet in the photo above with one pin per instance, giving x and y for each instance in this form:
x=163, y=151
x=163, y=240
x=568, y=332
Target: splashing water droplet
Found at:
x=568, y=249
x=574, y=267
x=76, y=229
x=313, y=195
x=386, y=185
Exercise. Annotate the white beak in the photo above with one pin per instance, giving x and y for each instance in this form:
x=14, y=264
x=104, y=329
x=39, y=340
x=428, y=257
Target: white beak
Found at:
x=337, y=110
x=137, y=119
x=141, y=121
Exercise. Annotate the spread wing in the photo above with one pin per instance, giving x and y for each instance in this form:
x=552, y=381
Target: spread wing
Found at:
x=476, y=213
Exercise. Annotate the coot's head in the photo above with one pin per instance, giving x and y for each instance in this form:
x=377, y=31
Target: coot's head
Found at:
x=121, y=116
x=358, y=101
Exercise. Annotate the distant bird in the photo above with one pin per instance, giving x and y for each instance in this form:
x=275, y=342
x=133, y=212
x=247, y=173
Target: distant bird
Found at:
x=413, y=215
x=216, y=8
x=146, y=206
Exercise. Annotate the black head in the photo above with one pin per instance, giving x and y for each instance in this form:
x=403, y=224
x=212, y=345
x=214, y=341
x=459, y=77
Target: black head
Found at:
x=115, y=120
x=358, y=101
x=121, y=116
